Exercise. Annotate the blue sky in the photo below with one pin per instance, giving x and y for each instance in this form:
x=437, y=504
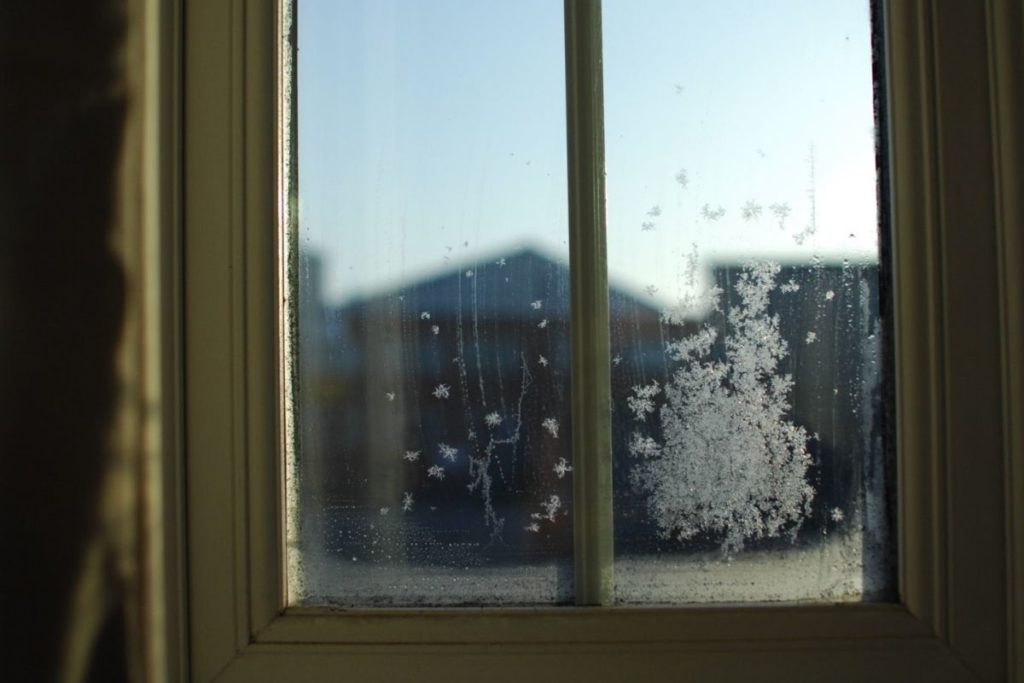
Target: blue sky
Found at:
x=432, y=134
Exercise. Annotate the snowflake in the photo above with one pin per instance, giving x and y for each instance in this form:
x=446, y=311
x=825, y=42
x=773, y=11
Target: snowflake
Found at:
x=543, y=323
x=535, y=305
x=811, y=337
x=710, y=214
x=654, y=211
x=501, y=262
x=447, y=452
x=390, y=395
x=616, y=359
x=642, y=402
x=384, y=511
x=469, y=273
x=543, y=361
x=411, y=456
x=751, y=210
x=643, y=446
x=442, y=391
x=550, y=424
x=802, y=236
x=435, y=471
x=780, y=211
x=492, y=419
x=532, y=527
x=425, y=315
x=561, y=467
x=651, y=290
x=683, y=178
x=789, y=287
x=435, y=329
x=647, y=226
x=407, y=501
x=829, y=295
x=551, y=507
x=837, y=515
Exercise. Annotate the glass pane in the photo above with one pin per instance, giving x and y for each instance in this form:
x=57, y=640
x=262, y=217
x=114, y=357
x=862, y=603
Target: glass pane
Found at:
x=750, y=437
x=432, y=435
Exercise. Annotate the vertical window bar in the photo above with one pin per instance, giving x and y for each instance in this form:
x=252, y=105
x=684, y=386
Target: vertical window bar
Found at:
x=591, y=377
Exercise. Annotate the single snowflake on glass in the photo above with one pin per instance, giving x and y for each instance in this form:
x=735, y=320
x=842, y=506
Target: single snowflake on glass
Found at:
x=616, y=359
x=543, y=361
x=651, y=290
x=647, y=226
x=654, y=211
x=683, y=178
x=411, y=456
x=789, y=287
x=780, y=211
x=642, y=400
x=643, y=446
x=751, y=210
x=435, y=329
x=550, y=424
x=562, y=467
x=407, y=501
x=390, y=395
x=501, y=262
x=384, y=511
x=442, y=391
x=469, y=273
x=811, y=337
x=435, y=471
x=710, y=214
x=543, y=323
x=532, y=527
x=447, y=452
x=551, y=507
x=425, y=315
x=492, y=419
x=535, y=305
x=829, y=295
x=837, y=515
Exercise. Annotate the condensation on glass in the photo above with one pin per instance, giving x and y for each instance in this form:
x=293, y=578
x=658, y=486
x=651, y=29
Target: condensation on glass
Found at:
x=431, y=450
x=752, y=460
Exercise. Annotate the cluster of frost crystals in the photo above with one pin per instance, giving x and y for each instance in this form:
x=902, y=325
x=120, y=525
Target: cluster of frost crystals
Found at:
x=730, y=463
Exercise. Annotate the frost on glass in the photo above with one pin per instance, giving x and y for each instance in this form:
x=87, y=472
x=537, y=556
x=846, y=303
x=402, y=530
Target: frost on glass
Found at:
x=431, y=451
x=752, y=460
x=729, y=462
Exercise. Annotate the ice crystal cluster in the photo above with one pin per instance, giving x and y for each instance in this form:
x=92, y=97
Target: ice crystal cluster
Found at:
x=728, y=463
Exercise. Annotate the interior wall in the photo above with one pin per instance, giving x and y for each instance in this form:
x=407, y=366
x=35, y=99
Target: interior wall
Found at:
x=63, y=108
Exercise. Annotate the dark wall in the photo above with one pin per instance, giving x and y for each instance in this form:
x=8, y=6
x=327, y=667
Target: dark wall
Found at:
x=62, y=113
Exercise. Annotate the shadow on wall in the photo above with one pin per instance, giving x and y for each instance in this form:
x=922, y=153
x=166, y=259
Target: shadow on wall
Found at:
x=62, y=295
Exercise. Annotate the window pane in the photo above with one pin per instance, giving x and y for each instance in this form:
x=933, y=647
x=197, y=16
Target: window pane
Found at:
x=748, y=383
x=432, y=435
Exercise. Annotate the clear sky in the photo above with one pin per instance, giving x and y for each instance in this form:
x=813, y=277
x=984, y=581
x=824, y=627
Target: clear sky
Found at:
x=432, y=133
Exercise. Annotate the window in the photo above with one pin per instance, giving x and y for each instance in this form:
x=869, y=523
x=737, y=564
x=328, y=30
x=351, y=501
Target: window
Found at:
x=950, y=621
x=432, y=459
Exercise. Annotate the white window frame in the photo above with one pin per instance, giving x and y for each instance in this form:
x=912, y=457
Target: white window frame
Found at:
x=955, y=175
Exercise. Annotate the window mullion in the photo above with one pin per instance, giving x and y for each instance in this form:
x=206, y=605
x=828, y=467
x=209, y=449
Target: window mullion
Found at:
x=591, y=378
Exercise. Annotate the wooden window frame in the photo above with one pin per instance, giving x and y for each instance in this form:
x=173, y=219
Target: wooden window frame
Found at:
x=955, y=163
